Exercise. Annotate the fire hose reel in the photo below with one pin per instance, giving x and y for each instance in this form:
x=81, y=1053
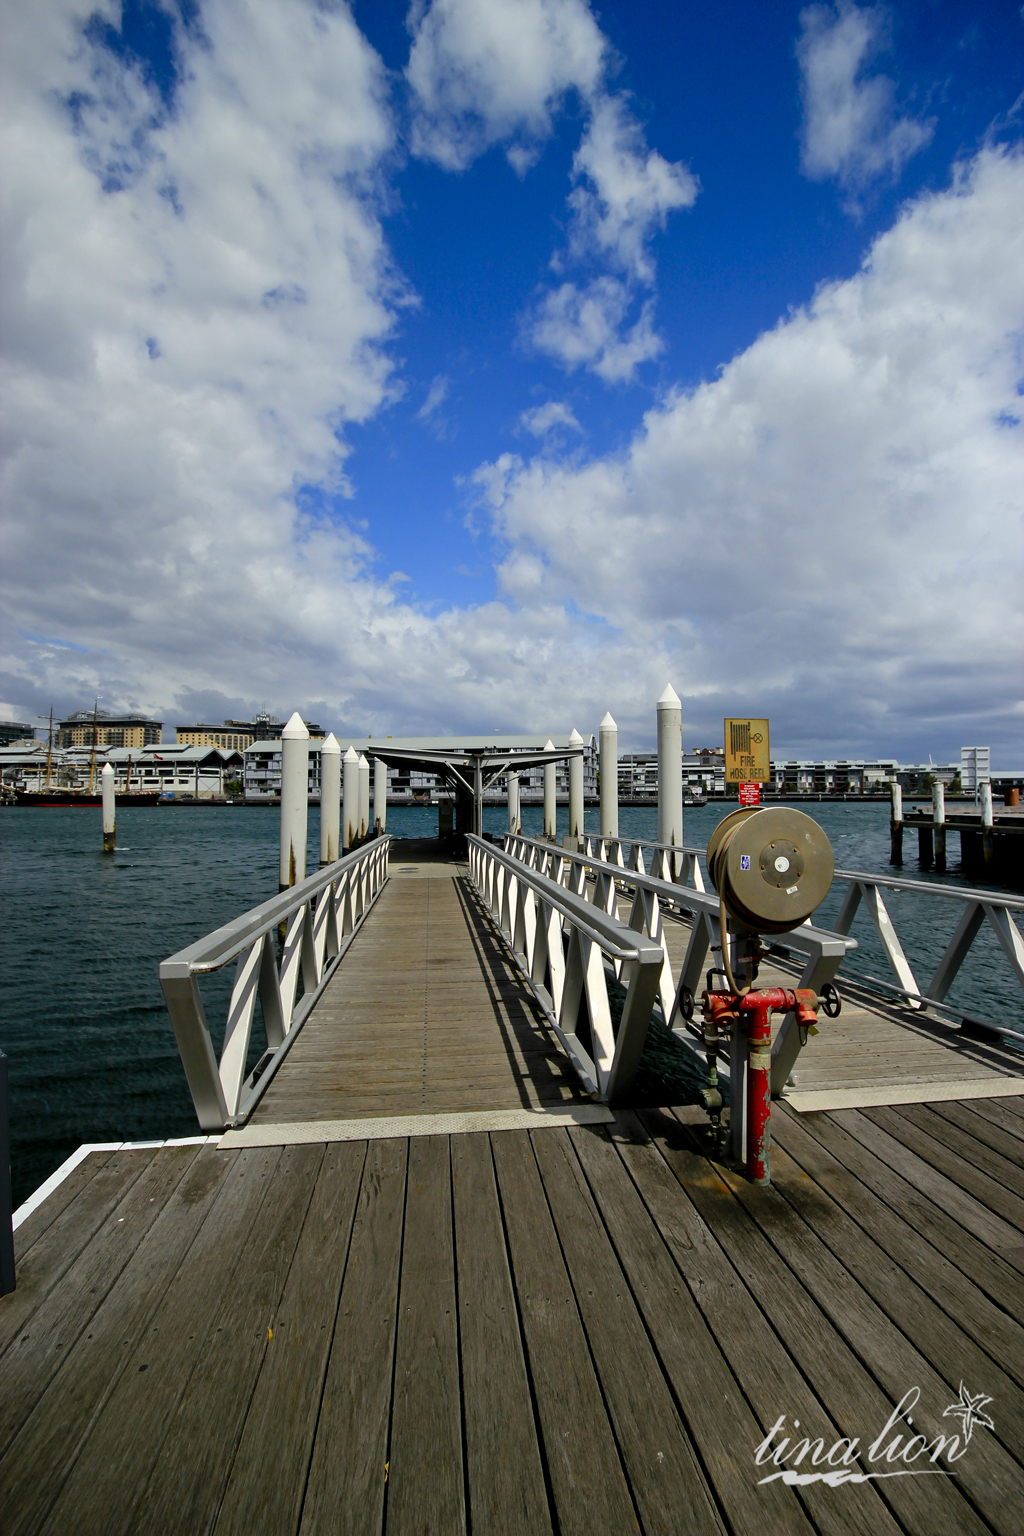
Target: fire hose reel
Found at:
x=772, y=868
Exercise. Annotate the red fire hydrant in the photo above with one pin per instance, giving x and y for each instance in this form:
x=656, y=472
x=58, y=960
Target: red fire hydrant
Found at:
x=724, y=1012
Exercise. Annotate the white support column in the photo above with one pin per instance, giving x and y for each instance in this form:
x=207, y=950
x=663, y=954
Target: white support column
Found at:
x=380, y=795
x=988, y=846
x=330, y=800
x=939, y=824
x=670, y=770
x=550, y=809
x=294, y=802
x=514, y=823
x=109, y=811
x=576, y=788
x=609, y=735
x=364, y=794
x=350, y=799
x=478, y=798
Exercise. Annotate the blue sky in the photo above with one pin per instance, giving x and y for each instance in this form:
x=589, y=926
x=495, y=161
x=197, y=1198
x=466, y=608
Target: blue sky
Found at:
x=490, y=364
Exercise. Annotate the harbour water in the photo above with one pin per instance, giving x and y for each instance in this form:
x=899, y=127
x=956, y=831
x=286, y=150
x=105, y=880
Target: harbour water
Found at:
x=82, y=1019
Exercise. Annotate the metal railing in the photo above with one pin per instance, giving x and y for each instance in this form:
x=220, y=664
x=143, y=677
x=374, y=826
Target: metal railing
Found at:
x=822, y=951
x=320, y=916
x=534, y=913
x=981, y=907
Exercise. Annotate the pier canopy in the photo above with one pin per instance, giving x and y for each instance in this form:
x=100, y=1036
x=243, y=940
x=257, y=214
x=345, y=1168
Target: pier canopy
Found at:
x=469, y=765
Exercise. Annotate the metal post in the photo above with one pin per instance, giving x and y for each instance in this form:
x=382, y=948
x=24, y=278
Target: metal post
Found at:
x=939, y=824
x=294, y=802
x=514, y=822
x=896, y=825
x=670, y=772
x=7, y=1280
x=350, y=799
x=330, y=801
x=478, y=799
x=109, y=811
x=759, y=1091
x=576, y=790
x=987, y=823
x=364, y=795
x=550, y=808
x=609, y=759
x=380, y=795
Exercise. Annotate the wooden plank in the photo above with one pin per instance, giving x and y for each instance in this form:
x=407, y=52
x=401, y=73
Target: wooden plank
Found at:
x=852, y=1397
x=57, y=1248
x=44, y=1215
x=991, y=1327
x=709, y=1401
x=286, y=1403
x=1003, y=1202
x=995, y=1112
x=588, y=1485
x=187, y=1482
x=756, y=1356
x=909, y=1305
x=38, y=1352
x=34, y=1469
x=667, y=1485
x=124, y=1440
x=348, y=1471
x=989, y=1476
x=426, y=1487
x=504, y=1475
x=871, y=1169
x=959, y=1131
x=944, y=1192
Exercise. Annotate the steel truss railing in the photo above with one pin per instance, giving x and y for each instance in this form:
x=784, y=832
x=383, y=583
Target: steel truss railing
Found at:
x=560, y=942
x=822, y=951
x=979, y=907
x=320, y=916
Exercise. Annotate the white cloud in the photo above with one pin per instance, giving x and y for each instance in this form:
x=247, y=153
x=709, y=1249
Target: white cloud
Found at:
x=833, y=526
x=549, y=417
x=436, y=396
x=485, y=72
x=587, y=327
x=624, y=191
x=851, y=130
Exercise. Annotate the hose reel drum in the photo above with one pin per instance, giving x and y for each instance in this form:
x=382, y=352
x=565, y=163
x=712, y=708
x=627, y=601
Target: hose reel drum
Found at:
x=771, y=865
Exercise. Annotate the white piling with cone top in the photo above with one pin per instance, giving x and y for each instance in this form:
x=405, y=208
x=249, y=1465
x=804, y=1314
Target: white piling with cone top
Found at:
x=576, y=788
x=380, y=795
x=109, y=808
x=514, y=822
x=330, y=800
x=364, y=794
x=294, y=802
x=670, y=773
x=609, y=760
x=550, y=807
x=350, y=799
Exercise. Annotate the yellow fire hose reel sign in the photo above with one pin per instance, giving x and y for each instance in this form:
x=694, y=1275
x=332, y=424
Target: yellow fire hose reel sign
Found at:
x=747, y=755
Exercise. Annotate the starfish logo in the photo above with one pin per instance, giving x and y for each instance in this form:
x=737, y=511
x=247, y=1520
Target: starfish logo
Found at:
x=968, y=1410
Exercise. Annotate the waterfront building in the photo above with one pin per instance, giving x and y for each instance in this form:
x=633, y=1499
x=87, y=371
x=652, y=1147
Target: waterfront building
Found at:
x=237, y=735
x=12, y=731
x=99, y=728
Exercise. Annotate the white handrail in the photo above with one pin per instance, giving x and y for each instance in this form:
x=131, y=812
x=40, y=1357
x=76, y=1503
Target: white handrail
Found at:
x=532, y=911
x=320, y=916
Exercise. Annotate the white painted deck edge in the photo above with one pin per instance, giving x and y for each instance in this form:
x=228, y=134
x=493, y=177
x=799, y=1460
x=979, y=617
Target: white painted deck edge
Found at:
x=297, y=1132
x=903, y=1093
x=48, y=1186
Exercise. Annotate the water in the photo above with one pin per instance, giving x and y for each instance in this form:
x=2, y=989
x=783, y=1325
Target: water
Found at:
x=82, y=1020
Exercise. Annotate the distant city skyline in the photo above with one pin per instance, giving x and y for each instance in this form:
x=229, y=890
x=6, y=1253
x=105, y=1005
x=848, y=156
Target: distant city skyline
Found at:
x=489, y=363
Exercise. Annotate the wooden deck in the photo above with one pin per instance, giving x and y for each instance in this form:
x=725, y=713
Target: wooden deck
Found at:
x=876, y=1051
x=569, y=1329
x=578, y=1331
x=435, y=1021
